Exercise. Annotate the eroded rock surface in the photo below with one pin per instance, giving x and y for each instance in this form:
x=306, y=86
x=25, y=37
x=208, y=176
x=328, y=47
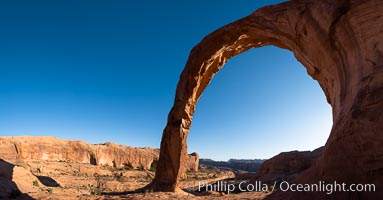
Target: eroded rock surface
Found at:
x=29, y=148
x=285, y=166
x=340, y=45
x=16, y=181
x=192, y=162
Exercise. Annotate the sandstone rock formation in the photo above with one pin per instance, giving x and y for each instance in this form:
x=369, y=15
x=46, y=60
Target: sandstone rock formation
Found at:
x=25, y=148
x=285, y=166
x=14, y=179
x=340, y=45
x=192, y=162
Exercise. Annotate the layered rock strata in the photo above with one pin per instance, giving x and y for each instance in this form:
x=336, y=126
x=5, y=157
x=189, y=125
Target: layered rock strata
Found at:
x=28, y=148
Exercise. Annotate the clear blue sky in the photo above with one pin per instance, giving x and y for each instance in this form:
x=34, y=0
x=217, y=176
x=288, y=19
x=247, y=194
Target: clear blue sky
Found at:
x=107, y=70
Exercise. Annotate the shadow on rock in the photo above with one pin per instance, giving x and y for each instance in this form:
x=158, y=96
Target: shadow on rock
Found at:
x=48, y=181
x=8, y=188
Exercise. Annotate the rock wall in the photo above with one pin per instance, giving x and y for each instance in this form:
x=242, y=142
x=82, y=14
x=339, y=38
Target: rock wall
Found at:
x=340, y=45
x=25, y=148
x=285, y=166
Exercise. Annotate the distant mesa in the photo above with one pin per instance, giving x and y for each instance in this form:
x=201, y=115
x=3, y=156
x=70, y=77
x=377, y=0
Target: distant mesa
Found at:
x=235, y=164
x=282, y=167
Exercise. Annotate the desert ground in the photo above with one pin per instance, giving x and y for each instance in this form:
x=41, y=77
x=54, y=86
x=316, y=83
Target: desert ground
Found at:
x=70, y=180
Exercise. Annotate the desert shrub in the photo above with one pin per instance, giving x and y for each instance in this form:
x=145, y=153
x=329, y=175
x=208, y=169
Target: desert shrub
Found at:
x=128, y=167
x=94, y=190
x=152, y=169
x=147, y=191
x=140, y=169
x=50, y=190
x=35, y=183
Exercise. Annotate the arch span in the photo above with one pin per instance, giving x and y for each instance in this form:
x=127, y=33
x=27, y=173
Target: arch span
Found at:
x=338, y=42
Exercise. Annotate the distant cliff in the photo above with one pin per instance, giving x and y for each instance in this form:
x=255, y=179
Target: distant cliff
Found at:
x=235, y=164
x=29, y=148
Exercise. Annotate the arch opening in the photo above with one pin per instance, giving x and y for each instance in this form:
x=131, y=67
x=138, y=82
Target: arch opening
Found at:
x=260, y=104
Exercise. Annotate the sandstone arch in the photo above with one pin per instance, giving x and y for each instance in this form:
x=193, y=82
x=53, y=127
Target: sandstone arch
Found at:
x=340, y=43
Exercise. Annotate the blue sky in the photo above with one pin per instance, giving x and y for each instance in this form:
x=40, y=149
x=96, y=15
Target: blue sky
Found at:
x=107, y=70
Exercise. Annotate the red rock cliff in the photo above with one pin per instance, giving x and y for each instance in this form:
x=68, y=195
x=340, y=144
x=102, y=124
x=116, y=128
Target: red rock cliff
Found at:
x=285, y=166
x=27, y=148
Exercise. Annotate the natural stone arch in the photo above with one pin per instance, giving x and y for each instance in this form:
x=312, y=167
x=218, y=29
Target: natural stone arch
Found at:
x=338, y=42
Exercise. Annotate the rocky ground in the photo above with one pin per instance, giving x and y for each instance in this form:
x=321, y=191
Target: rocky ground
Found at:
x=51, y=168
x=69, y=180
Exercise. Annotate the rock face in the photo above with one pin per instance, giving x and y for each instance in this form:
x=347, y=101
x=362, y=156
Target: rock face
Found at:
x=16, y=149
x=192, y=162
x=14, y=179
x=340, y=45
x=286, y=166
